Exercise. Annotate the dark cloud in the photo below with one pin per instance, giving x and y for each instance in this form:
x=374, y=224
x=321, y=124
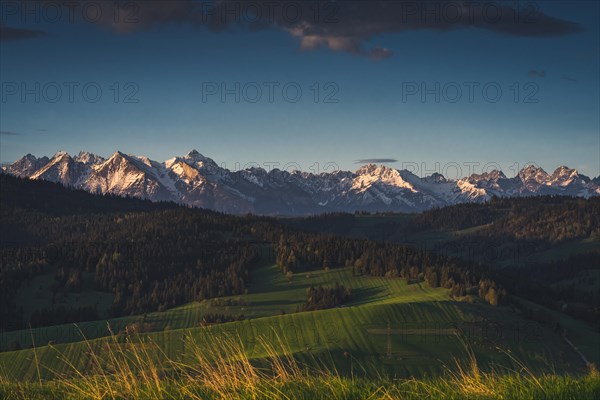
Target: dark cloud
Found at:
x=568, y=78
x=375, y=161
x=9, y=133
x=349, y=26
x=537, y=74
x=8, y=34
x=145, y=15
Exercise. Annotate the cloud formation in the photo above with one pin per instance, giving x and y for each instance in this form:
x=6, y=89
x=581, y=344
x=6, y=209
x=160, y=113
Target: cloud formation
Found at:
x=376, y=161
x=336, y=25
x=10, y=34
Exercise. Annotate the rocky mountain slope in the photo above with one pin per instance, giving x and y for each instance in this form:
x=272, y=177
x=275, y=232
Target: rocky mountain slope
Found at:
x=198, y=181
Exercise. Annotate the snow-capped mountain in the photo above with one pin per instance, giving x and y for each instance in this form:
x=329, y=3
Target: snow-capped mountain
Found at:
x=26, y=166
x=198, y=181
x=62, y=168
x=89, y=158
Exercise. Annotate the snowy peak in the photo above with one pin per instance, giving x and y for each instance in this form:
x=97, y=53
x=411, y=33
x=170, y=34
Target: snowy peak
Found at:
x=196, y=157
x=133, y=176
x=564, y=176
x=368, y=169
x=494, y=175
x=117, y=160
x=182, y=169
x=531, y=173
x=62, y=169
x=372, y=174
x=564, y=171
x=196, y=180
x=27, y=166
x=89, y=158
x=61, y=154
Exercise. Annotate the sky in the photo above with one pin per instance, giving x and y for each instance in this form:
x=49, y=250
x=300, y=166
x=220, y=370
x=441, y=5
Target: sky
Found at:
x=440, y=86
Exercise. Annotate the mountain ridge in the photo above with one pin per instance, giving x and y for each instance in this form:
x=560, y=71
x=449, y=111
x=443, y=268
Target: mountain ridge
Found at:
x=196, y=180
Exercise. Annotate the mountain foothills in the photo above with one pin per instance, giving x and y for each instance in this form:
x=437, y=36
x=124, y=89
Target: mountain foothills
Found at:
x=67, y=255
x=196, y=180
x=150, y=257
x=85, y=276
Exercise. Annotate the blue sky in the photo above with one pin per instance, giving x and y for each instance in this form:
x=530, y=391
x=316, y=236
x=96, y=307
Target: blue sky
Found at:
x=166, y=60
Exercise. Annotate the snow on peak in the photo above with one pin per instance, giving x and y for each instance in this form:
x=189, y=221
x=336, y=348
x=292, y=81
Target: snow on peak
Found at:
x=563, y=176
x=89, y=158
x=564, y=170
x=201, y=162
x=371, y=174
x=197, y=180
x=533, y=173
x=182, y=169
x=374, y=169
x=61, y=154
x=26, y=165
x=116, y=157
x=493, y=175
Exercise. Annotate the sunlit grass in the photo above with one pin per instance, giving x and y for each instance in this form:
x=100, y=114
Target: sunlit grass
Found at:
x=219, y=368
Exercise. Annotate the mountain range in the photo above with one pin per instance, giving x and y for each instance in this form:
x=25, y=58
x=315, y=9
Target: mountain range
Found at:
x=196, y=180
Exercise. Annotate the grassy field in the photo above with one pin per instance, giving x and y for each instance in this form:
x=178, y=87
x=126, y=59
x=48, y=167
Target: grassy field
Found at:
x=270, y=293
x=389, y=328
x=393, y=340
x=130, y=368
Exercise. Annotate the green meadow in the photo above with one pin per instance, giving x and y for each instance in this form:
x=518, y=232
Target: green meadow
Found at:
x=389, y=329
x=391, y=340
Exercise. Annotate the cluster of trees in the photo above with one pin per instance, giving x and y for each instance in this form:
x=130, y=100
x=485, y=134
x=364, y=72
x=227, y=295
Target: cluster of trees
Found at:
x=218, y=302
x=323, y=297
x=173, y=268
x=550, y=219
x=511, y=228
x=151, y=257
x=519, y=227
x=491, y=292
x=460, y=216
x=296, y=251
x=215, y=318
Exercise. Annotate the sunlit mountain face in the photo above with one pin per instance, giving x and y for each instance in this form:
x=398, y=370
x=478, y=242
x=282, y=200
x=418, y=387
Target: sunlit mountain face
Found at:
x=196, y=180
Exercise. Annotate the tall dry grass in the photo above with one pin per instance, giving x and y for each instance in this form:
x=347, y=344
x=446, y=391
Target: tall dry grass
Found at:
x=218, y=367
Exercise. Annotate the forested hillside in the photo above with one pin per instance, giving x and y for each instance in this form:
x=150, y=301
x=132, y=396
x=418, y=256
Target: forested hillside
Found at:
x=155, y=256
x=150, y=256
